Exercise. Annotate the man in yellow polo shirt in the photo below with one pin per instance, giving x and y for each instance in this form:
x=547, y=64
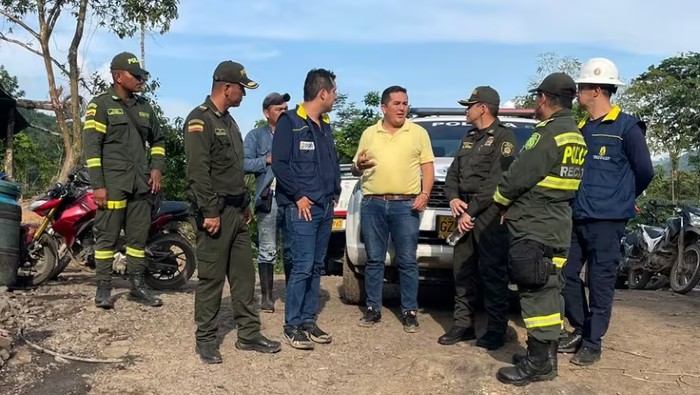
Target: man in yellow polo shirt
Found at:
x=390, y=159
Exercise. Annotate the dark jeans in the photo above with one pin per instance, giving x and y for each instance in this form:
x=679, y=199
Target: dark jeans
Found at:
x=308, y=241
x=378, y=220
x=598, y=243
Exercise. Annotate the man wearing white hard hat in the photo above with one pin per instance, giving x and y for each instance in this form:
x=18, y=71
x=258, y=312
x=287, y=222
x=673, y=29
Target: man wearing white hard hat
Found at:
x=617, y=170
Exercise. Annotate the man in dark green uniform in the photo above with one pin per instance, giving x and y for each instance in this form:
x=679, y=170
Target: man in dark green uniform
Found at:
x=118, y=124
x=537, y=191
x=487, y=151
x=214, y=149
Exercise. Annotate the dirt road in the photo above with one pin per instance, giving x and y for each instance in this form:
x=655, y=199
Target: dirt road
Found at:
x=651, y=348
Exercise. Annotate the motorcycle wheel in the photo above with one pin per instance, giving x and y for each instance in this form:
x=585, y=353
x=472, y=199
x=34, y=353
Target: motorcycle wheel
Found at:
x=44, y=266
x=176, y=253
x=638, y=278
x=684, y=277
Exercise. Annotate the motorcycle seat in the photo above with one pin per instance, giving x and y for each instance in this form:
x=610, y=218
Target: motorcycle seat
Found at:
x=653, y=231
x=173, y=208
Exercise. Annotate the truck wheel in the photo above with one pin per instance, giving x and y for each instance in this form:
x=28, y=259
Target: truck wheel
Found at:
x=353, y=284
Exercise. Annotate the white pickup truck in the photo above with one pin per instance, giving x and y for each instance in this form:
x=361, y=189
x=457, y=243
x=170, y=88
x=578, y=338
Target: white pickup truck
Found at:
x=446, y=128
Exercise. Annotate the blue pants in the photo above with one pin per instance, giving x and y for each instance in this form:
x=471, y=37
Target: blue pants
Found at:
x=308, y=241
x=596, y=242
x=378, y=220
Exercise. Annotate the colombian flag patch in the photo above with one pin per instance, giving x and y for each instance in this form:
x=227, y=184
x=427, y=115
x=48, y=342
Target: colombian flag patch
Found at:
x=195, y=126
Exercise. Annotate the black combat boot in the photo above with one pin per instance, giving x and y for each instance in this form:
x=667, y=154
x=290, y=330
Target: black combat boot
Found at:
x=140, y=293
x=267, y=303
x=536, y=366
x=208, y=352
x=551, y=354
x=103, y=296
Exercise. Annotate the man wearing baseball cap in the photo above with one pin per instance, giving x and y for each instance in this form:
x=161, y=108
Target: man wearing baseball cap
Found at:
x=487, y=150
x=535, y=194
x=214, y=150
x=257, y=161
x=118, y=124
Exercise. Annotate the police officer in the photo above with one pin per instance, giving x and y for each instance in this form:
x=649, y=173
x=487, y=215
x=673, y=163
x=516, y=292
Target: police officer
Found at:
x=214, y=150
x=537, y=191
x=305, y=163
x=118, y=124
x=486, y=152
x=618, y=169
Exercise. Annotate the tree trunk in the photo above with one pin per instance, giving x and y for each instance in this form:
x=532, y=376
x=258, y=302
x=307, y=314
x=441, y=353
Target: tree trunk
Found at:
x=9, y=144
x=674, y=175
x=76, y=145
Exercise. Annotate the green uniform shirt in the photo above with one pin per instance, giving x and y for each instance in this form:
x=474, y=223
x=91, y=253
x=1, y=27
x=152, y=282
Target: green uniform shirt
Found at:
x=478, y=165
x=543, y=179
x=214, y=149
x=114, y=149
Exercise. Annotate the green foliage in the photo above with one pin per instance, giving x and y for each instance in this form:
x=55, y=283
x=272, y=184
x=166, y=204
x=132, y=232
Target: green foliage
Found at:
x=667, y=97
x=10, y=83
x=350, y=121
x=260, y=123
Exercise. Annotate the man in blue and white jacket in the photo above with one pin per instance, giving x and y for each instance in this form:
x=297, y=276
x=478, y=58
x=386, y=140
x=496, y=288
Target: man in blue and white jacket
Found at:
x=257, y=149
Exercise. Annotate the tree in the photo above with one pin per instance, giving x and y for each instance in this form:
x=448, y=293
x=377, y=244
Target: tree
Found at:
x=350, y=121
x=667, y=97
x=10, y=83
x=547, y=63
x=39, y=18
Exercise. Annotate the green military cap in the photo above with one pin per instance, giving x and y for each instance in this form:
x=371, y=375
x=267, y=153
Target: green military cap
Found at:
x=558, y=84
x=230, y=71
x=127, y=61
x=482, y=94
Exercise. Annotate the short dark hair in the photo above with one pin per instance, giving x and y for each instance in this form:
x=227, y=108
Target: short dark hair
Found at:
x=316, y=80
x=559, y=101
x=493, y=109
x=608, y=90
x=392, y=89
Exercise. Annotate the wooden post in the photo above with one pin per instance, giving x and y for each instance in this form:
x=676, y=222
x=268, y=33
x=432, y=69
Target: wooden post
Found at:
x=9, y=143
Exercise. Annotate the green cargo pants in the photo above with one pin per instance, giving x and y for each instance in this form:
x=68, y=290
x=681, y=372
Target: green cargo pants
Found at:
x=129, y=211
x=542, y=307
x=226, y=255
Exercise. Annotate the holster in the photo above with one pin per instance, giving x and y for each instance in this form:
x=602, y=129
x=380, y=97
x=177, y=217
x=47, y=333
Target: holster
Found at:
x=530, y=264
x=266, y=196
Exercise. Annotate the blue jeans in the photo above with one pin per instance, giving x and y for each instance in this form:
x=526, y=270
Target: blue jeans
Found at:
x=378, y=220
x=270, y=227
x=308, y=241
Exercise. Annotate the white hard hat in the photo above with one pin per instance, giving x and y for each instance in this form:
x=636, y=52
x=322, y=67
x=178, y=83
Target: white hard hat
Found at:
x=599, y=71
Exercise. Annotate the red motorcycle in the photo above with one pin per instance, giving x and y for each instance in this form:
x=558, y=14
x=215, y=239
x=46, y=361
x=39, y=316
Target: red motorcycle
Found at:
x=69, y=213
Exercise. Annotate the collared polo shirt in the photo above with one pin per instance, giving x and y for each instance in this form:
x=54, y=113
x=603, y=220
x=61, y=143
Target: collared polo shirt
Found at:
x=398, y=158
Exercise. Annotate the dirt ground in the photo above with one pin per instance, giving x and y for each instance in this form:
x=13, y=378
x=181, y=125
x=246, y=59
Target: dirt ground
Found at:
x=651, y=348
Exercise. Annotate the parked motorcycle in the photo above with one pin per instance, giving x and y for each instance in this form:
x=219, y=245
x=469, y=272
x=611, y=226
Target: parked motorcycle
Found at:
x=672, y=250
x=69, y=212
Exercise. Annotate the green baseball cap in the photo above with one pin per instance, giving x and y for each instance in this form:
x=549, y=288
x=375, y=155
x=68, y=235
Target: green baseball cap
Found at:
x=127, y=61
x=558, y=84
x=230, y=71
x=482, y=94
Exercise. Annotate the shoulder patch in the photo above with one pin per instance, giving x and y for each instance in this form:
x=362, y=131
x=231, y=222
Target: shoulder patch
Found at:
x=202, y=108
x=195, y=126
x=507, y=148
x=467, y=144
x=532, y=141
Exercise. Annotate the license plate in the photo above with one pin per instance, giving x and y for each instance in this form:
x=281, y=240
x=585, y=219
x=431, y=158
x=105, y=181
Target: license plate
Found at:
x=338, y=224
x=445, y=226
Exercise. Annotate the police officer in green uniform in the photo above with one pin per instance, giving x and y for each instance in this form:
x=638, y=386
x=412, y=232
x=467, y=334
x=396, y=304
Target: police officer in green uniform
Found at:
x=214, y=149
x=537, y=191
x=486, y=152
x=118, y=124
